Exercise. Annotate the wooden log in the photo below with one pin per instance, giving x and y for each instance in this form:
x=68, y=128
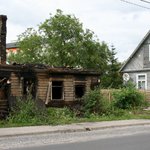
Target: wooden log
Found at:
x=48, y=93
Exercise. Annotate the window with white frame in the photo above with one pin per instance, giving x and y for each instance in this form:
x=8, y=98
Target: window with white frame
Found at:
x=141, y=81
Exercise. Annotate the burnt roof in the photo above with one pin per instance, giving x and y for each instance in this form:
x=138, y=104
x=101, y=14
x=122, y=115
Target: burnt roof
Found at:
x=45, y=68
x=72, y=71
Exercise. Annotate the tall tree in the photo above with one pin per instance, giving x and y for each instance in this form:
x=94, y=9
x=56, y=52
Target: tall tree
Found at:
x=62, y=41
x=112, y=78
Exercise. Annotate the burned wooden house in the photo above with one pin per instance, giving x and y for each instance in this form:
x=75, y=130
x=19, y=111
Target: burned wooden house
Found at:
x=54, y=86
x=51, y=85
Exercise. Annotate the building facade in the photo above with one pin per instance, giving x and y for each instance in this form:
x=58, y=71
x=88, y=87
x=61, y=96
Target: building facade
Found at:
x=137, y=66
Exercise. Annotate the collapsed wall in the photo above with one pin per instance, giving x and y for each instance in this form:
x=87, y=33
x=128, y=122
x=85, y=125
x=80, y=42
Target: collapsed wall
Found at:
x=3, y=31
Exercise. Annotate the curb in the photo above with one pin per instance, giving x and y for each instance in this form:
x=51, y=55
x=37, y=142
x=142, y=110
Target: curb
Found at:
x=86, y=128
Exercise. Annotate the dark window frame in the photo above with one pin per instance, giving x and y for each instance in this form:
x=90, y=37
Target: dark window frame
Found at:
x=57, y=86
x=79, y=89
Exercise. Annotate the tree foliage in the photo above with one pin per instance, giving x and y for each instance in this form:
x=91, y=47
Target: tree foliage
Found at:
x=29, y=47
x=112, y=77
x=61, y=41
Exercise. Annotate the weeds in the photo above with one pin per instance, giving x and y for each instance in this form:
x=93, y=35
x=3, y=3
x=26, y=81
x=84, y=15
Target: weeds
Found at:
x=127, y=104
x=26, y=112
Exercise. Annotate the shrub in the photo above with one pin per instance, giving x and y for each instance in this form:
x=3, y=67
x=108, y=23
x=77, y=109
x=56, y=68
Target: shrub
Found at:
x=26, y=111
x=93, y=102
x=128, y=98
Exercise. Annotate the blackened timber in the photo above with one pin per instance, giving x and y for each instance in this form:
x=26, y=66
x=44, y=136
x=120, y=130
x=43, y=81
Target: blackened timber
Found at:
x=3, y=31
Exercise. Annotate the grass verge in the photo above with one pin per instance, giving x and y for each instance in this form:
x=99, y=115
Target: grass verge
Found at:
x=128, y=104
x=60, y=116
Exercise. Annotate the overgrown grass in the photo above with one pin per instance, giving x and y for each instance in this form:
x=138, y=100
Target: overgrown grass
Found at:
x=94, y=108
x=27, y=112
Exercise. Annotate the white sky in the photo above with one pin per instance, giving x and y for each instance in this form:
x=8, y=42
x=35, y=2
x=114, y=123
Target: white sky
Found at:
x=113, y=21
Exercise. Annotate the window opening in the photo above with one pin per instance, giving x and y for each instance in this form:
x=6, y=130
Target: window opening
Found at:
x=28, y=87
x=79, y=90
x=4, y=88
x=57, y=90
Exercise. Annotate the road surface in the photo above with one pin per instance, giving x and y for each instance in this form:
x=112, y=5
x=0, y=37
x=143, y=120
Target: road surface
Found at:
x=124, y=138
x=136, y=142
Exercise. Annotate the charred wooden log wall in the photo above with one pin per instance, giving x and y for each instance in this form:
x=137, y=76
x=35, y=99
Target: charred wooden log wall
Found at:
x=73, y=88
x=3, y=31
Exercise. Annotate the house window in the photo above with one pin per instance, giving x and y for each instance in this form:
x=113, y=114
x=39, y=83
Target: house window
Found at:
x=141, y=81
x=57, y=90
x=79, y=90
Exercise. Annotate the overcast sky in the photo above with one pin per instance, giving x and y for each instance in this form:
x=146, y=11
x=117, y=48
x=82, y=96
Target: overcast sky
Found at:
x=113, y=21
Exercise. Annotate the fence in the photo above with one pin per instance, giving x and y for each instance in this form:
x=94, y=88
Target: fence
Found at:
x=108, y=93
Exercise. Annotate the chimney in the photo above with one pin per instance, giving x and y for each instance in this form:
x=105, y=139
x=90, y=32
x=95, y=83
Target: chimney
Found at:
x=3, y=31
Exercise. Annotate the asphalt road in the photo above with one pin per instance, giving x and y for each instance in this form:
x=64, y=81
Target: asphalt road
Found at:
x=136, y=142
x=124, y=138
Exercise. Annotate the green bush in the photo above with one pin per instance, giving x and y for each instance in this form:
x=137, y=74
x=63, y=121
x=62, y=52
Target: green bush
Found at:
x=128, y=98
x=93, y=102
x=26, y=111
